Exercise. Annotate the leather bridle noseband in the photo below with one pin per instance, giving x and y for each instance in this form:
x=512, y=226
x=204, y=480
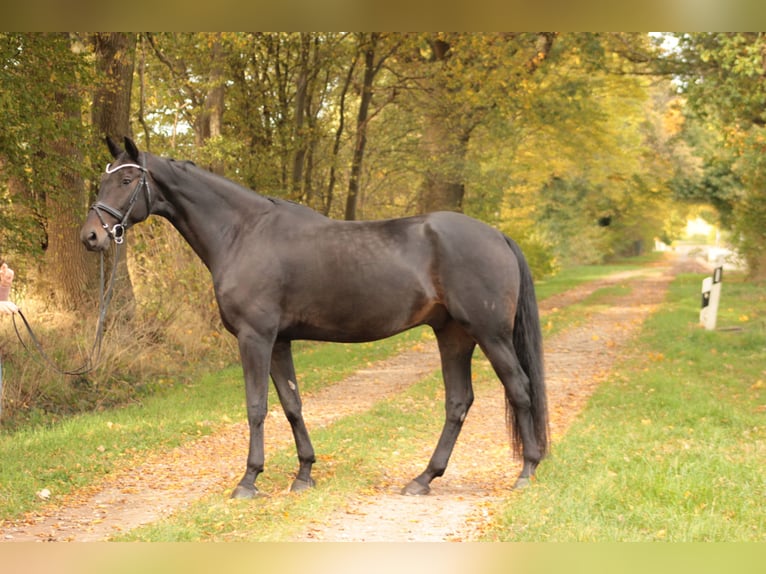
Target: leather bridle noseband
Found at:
x=117, y=231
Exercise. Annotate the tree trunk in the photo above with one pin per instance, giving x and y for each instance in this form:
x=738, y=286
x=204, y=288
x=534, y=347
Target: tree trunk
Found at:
x=300, y=138
x=756, y=266
x=444, y=143
x=115, y=59
x=370, y=69
x=338, y=136
x=71, y=274
x=443, y=188
x=448, y=124
x=210, y=121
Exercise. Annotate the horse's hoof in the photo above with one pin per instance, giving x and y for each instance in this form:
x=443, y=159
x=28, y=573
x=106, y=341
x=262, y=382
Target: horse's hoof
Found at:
x=245, y=492
x=521, y=483
x=301, y=485
x=414, y=488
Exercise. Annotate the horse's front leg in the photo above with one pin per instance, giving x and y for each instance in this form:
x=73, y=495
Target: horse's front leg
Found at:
x=255, y=353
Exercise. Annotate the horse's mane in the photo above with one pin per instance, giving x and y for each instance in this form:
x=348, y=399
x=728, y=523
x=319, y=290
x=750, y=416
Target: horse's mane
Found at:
x=183, y=163
x=191, y=168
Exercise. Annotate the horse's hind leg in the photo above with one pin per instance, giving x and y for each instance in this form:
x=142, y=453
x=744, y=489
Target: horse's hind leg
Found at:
x=502, y=356
x=456, y=348
x=283, y=375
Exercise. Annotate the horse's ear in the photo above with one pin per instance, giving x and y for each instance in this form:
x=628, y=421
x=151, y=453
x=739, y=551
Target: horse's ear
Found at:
x=114, y=149
x=131, y=148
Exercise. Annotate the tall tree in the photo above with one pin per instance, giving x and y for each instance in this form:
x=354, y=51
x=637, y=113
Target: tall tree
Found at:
x=67, y=268
x=115, y=61
x=368, y=44
x=468, y=76
x=338, y=137
x=300, y=137
x=209, y=124
x=194, y=67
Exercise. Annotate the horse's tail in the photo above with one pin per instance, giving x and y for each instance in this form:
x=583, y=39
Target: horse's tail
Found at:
x=528, y=343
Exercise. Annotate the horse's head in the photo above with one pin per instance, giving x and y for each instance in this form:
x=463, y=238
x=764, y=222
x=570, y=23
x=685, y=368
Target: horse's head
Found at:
x=124, y=198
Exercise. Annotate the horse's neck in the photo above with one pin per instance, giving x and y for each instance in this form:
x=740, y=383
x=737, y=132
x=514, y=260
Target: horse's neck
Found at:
x=200, y=206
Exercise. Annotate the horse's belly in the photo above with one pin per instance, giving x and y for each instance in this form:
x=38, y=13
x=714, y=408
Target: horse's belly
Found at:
x=360, y=318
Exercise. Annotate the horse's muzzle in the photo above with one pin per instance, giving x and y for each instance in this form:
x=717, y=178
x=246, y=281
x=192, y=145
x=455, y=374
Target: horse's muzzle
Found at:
x=93, y=235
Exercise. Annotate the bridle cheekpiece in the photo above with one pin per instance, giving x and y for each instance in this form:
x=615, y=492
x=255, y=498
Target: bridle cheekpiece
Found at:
x=117, y=231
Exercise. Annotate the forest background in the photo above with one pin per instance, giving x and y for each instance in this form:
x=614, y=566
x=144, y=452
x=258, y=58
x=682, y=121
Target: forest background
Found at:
x=581, y=146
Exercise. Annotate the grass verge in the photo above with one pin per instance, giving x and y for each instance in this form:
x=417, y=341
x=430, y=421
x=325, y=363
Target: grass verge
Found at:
x=672, y=447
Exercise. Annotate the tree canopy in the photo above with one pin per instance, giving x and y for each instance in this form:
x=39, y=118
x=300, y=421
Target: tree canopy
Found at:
x=722, y=77
x=581, y=146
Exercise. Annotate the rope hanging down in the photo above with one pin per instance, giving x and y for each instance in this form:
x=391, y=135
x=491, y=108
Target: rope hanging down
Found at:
x=91, y=362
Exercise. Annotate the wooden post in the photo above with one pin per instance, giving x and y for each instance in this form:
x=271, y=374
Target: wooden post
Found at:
x=711, y=295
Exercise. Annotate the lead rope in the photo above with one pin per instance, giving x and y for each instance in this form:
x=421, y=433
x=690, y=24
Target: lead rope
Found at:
x=91, y=362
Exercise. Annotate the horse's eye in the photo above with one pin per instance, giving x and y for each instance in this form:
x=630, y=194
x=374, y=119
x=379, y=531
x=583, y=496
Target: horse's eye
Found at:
x=126, y=181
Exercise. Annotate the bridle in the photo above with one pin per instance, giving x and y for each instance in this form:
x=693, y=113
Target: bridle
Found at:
x=117, y=231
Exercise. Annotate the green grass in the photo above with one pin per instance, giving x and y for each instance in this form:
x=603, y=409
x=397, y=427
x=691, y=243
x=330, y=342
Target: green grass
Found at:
x=673, y=446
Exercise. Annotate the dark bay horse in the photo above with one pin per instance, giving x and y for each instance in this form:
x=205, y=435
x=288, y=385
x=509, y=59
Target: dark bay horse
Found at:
x=282, y=271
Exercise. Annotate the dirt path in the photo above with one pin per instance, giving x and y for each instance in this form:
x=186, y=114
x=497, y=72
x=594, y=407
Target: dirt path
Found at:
x=479, y=472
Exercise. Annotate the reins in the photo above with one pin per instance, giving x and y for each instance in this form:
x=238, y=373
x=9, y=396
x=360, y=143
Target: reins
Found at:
x=91, y=362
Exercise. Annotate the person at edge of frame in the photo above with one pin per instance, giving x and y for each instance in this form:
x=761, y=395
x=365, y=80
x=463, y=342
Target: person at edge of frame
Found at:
x=6, y=279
